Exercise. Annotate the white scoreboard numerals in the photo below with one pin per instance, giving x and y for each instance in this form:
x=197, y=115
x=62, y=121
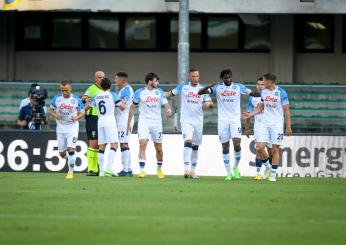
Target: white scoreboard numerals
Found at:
x=81, y=155
x=13, y=154
x=50, y=153
x=2, y=158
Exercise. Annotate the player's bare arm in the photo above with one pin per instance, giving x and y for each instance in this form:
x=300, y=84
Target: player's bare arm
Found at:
x=255, y=94
x=169, y=94
x=257, y=110
x=86, y=99
x=122, y=106
x=131, y=113
x=168, y=110
x=208, y=105
x=54, y=114
x=287, y=113
x=206, y=90
x=78, y=116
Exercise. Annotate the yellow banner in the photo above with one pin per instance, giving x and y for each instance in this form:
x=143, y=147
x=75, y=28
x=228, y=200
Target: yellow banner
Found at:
x=11, y=4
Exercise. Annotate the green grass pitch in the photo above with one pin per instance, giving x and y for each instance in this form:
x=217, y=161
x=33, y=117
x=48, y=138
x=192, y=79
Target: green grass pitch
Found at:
x=44, y=208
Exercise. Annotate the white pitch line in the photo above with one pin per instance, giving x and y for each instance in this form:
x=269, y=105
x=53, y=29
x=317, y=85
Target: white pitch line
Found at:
x=175, y=218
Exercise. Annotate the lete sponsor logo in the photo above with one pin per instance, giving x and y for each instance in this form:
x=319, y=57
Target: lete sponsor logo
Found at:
x=228, y=93
x=150, y=99
x=271, y=99
x=193, y=95
x=64, y=106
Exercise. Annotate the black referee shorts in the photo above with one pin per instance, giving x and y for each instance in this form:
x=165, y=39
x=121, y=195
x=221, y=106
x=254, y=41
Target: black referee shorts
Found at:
x=91, y=127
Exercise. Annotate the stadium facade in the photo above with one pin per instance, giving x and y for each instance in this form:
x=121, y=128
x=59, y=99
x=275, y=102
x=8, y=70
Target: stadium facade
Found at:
x=302, y=41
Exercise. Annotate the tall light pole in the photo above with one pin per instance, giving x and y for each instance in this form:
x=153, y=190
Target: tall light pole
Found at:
x=183, y=45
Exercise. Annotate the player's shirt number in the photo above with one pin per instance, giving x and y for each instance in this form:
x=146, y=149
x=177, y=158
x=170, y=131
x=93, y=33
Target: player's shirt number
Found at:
x=102, y=107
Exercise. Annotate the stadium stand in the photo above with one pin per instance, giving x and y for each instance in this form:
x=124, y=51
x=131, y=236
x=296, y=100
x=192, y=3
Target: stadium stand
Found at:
x=314, y=108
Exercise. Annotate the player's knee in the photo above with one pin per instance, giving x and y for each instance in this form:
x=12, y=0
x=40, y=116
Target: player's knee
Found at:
x=195, y=147
x=124, y=145
x=275, y=151
x=270, y=154
x=142, y=145
x=62, y=154
x=237, y=148
x=260, y=148
x=225, y=150
x=188, y=144
x=159, y=152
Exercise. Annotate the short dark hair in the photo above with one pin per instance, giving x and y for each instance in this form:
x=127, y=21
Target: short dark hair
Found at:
x=151, y=76
x=66, y=82
x=193, y=70
x=260, y=79
x=269, y=76
x=225, y=72
x=105, y=83
x=121, y=74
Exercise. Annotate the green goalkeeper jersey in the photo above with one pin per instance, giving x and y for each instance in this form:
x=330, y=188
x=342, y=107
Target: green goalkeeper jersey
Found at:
x=91, y=92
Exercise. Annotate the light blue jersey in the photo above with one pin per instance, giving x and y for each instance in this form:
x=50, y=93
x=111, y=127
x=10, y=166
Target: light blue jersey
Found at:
x=191, y=103
x=126, y=96
x=274, y=100
x=150, y=102
x=66, y=108
x=253, y=103
x=228, y=100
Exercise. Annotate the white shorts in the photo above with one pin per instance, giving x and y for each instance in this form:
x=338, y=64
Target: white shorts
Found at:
x=123, y=138
x=256, y=131
x=228, y=130
x=67, y=139
x=147, y=130
x=107, y=134
x=273, y=135
x=192, y=132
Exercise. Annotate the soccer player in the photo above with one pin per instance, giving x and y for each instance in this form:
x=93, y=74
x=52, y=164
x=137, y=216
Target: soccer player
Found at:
x=150, y=99
x=91, y=119
x=106, y=102
x=229, y=123
x=191, y=119
x=126, y=95
x=67, y=109
x=274, y=105
x=253, y=103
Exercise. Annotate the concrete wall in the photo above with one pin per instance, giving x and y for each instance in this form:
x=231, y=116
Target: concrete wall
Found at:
x=82, y=65
x=322, y=68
